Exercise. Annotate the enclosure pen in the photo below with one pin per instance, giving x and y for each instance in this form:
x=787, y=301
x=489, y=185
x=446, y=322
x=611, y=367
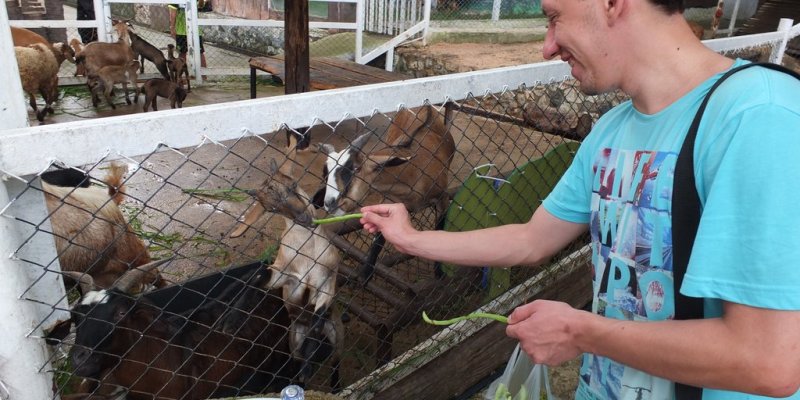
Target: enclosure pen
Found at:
x=515, y=131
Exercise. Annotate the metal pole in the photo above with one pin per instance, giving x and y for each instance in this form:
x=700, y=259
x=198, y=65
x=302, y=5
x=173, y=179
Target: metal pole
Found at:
x=496, y=4
x=360, y=17
x=102, y=15
x=733, y=18
x=13, y=108
x=785, y=25
x=426, y=17
x=193, y=34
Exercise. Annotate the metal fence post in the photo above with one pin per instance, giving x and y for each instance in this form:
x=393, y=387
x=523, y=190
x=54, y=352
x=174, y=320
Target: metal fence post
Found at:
x=25, y=370
x=360, y=17
x=777, y=52
x=193, y=39
x=426, y=18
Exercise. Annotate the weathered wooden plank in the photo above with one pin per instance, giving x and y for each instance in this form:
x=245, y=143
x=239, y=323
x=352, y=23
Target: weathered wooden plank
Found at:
x=461, y=367
x=328, y=72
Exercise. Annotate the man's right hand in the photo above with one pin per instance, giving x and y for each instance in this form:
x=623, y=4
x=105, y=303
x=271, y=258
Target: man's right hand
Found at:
x=391, y=220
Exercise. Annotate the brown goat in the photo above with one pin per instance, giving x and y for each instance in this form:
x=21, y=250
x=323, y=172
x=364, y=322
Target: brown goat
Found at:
x=91, y=233
x=410, y=165
x=97, y=55
x=177, y=67
x=77, y=48
x=104, y=80
x=25, y=37
x=144, y=50
x=156, y=87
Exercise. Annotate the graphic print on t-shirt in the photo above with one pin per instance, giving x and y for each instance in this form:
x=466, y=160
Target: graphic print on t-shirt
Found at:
x=632, y=248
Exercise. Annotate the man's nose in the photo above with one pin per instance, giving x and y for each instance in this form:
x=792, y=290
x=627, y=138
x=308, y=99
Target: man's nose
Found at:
x=550, y=49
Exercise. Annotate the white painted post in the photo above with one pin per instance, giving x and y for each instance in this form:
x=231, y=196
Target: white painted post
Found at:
x=360, y=14
x=193, y=39
x=734, y=14
x=426, y=17
x=103, y=18
x=13, y=107
x=26, y=371
x=496, y=9
x=390, y=59
x=102, y=13
x=785, y=25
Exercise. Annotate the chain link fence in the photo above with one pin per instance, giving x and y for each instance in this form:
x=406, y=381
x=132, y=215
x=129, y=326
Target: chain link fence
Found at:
x=211, y=305
x=194, y=269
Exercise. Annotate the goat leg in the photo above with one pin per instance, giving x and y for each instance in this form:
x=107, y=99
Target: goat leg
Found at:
x=368, y=267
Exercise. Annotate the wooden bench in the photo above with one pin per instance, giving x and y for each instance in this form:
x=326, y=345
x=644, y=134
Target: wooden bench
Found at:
x=325, y=72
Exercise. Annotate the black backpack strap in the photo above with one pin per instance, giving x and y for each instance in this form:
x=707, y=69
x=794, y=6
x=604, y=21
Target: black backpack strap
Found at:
x=686, y=218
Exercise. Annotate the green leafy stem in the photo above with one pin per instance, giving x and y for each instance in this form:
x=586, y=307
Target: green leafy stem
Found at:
x=496, y=317
x=337, y=219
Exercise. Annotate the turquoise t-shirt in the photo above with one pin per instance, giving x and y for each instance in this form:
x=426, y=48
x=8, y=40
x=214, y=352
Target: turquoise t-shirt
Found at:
x=746, y=250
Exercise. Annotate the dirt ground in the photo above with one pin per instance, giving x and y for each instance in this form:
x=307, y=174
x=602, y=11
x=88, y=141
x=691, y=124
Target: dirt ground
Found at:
x=486, y=55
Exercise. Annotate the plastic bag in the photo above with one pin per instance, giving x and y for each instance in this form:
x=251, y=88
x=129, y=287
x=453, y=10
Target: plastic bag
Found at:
x=521, y=380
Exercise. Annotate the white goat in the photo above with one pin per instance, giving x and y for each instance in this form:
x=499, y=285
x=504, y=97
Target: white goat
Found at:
x=307, y=263
x=91, y=233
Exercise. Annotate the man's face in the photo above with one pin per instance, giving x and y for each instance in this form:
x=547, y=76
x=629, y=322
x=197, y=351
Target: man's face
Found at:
x=576, y=33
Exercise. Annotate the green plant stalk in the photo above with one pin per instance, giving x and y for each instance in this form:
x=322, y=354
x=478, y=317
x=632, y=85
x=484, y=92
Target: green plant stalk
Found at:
x=337, y=219
x=496, y=317
x=231, y=194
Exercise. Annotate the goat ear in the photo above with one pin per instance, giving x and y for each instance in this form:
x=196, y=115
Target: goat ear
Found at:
x=326, y=148
x=390, y=160
x=405, y=125
x=298, y=140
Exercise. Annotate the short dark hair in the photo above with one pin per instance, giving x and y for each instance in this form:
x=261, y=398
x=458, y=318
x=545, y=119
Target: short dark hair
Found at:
x=670, y=6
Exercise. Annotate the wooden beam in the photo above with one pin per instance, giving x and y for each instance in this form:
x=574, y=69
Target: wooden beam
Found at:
x=297, y=49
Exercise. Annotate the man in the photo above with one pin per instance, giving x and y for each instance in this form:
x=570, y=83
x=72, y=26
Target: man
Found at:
x=177, y=28
x=85, y=11
x=619, y=187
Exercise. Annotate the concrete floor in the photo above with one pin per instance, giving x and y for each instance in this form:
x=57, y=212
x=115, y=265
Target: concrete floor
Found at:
x=75, y=101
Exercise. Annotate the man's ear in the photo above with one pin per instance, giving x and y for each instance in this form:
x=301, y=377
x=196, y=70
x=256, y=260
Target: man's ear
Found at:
x=615, y=9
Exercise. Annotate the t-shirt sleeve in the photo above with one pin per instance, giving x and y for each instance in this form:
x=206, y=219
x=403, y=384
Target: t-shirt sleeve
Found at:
x=747, y=248
x=570, y=199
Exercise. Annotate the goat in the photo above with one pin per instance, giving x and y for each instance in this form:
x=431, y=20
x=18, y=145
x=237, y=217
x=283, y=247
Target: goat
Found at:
x=96, y=55
x=161, y=87
x=127, y=341
x=305, y=268
x=104, y=80
x=91, y=233
x=25, y=37
x=177, y=67
x=144, y=50
x=411, y=168
x=77, y=48
x=38, y=73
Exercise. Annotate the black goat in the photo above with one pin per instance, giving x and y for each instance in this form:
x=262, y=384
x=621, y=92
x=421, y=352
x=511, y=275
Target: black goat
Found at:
x=128, y=342
x=144, y=50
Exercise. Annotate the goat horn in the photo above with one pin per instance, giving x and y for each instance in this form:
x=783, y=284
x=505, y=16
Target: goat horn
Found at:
x=85, y=281
x=135, y=276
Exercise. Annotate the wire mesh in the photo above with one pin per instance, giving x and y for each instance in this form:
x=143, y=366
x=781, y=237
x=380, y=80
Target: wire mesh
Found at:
x=215, y=305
